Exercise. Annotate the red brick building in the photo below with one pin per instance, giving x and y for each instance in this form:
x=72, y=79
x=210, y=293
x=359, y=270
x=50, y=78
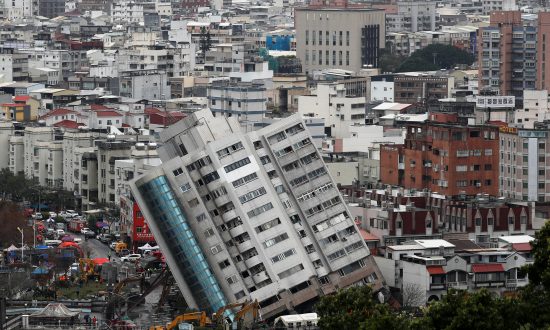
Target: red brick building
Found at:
x=445, y=158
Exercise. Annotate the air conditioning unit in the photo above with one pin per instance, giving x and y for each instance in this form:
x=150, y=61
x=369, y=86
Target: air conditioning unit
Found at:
x=478, y=184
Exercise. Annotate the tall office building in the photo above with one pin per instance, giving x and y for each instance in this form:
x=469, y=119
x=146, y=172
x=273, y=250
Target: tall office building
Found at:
x=342, y=38
x=507, y=55
x=250, y=216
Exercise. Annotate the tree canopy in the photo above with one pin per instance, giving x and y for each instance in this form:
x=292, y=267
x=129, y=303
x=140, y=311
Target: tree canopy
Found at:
x=435, y=57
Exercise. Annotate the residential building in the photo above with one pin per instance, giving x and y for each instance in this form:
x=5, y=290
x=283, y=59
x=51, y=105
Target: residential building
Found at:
x=343, y=38
x=543, y=38
x=489, y=6
x=448, y=158
x=14, y=66
x=382, y=88
x=108, y=151
x=246, y=101
x=245, y=203
x=507, y=55
x=417, y=87
x=412, y=16
x=331, y=103
x=51, y=8
x=524, y=165
x=144, y=84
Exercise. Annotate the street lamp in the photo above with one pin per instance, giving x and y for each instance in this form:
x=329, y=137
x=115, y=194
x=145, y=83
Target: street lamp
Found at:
x=22, y=244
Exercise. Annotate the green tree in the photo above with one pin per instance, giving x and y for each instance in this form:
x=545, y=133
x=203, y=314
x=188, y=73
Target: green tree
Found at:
x=349, y=308
x=435, y=57
x=472, y=310
x=539, y=270
x=389, y=62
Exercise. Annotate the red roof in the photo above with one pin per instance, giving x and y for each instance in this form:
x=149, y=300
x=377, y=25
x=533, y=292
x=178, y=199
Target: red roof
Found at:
x=522, y=247
x=58, y=112
x=99, y=107
x=68, y=124
x=151, y=110
x=435, y=270
x=487, y=268
x=368, y=236
x=108, y=113
x=21, y=98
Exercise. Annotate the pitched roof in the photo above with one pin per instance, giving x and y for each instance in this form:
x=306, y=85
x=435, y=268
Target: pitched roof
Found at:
x=487, y=268
x=107, y=113
x=68, y=124
x=95, y=107
x=435, y=270
x=522, y=247
x=58, y=112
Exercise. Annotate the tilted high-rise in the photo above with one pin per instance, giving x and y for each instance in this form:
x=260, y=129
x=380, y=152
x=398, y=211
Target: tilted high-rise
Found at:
x=251, y=216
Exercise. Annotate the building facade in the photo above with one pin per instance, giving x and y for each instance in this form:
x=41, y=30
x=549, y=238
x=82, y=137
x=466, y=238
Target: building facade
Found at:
x=449, y=159
x=524, y=163
x=507, y=55
x=259, y=211
x=342, y=38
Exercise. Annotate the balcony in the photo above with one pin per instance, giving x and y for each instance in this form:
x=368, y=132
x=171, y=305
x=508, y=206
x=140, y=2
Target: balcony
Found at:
x=438, y=286
x=489, y=284
x=229, y=215
x=516, y=283
x=236, y=231
x=244, y=246
x=458, y=285
x=253, y=261
x=260, y=277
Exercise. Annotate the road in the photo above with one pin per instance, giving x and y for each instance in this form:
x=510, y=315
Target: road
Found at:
x=96, y=248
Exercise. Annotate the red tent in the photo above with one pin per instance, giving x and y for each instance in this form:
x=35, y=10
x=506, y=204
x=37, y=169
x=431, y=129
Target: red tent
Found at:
x=100, y=261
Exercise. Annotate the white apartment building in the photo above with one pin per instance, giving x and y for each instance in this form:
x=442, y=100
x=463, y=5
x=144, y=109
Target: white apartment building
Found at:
x=245, y=101
x=535, y=109
x=126, y=12
x=17, y=154
x=144, y=84
x=19, y=10
x=412, y=16
x=73, y=141
x=176, y=62
x=36, y=141
x=488, y=6
x=259, y=210
x=524, y=163
x=331, y=103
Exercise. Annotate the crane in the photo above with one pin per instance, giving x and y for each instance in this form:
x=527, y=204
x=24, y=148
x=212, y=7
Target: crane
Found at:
x=199, y=317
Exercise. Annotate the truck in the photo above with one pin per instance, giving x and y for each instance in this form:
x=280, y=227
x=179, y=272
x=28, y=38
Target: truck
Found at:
x=76, y=225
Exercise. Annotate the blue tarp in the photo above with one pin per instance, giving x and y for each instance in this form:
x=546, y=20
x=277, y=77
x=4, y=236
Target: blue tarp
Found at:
x=42, y=247
x=40, y=271
x=43, y=207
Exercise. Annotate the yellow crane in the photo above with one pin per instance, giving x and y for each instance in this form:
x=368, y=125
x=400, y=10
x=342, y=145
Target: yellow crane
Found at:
x=200, y=317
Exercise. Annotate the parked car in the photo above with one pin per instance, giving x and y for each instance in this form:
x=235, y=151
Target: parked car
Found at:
x=112, y=245
x=130, y=257
x=105, y=238
x=68, y=214
x=60, y=232
x=37, y=216
x=123, y=252
x=53, y=215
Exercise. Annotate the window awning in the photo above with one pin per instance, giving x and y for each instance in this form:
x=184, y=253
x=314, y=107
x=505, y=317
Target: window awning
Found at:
x=487, y=268
x=435, y=270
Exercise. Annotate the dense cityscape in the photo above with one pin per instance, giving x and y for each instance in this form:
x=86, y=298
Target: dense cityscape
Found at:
x=237, y=164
